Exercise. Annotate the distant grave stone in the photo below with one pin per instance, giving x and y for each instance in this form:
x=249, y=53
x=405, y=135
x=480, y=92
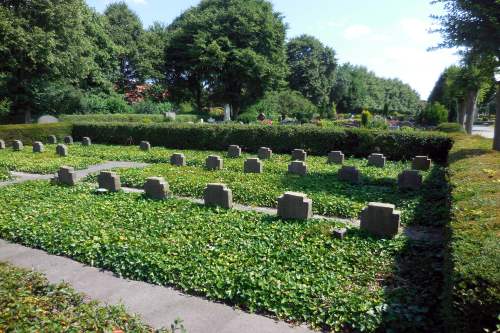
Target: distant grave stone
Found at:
x=252, y=165
x=62, y=150
x=265, y=153
x=339, y=233
x=38, y=147
x=68, y=140
x=2, y=144
x=380, y=219
x=349, y=174
x=234, y=151
x=336, y=157
x=86, y=141
x=297, y=168
x=299, y=155
x=47, y=119
x=178, y=159
x=109, y=180
x=410, y=179
x=218, y=195
x=422, y=163
x=214, y=162
x=52, y=139
x=66, y=175
x=377, y=160
x=17, y=145
x=156, y=188
x=145, y=146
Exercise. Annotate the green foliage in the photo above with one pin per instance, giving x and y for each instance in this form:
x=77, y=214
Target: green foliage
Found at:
x=356, y=88
x=221, y=254
x=5, y=105
x=30, y=303
x=56, y=98
x=33, y=132
x=186, y=107
x=150, y=107
x=114, y=118
x=433, y=114
x=377, y=122
x=312, y=69
x=396, y=145
x=450, y=128
x=366, y=117
x=473, y=285
x=208, y=59
x=286, y=103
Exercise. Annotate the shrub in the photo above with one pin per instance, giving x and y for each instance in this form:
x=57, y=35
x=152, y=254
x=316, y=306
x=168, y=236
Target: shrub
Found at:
x=450, y=128
x=365, y=118
x=115, y=118
x=33, y=132
x=395, y=145
x=56, y=98
x=433, y=114
x=150, y=107
x=248, y=117
x=100, y=103
x=285, y=103
x=4, y=109
x=378, y=122
x=186, y=107
x=216, y=113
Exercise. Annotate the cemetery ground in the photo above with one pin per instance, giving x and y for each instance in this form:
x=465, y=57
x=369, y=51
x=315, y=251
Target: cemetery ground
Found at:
x=292, y=270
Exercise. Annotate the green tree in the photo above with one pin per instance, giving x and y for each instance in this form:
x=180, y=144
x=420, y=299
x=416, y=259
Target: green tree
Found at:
x=52, y=40
x=433, y=114
x=312, y=69
x=126, y=31
x=227, y=51
x=475, y=26
x=151, y=64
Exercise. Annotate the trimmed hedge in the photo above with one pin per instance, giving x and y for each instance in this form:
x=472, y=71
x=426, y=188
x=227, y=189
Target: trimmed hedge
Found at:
x=396, y=145
x=126, y=118
x=28, y=133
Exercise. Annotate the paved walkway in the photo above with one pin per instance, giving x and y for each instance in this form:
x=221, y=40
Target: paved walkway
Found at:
x=484, y=131
x=158, y=306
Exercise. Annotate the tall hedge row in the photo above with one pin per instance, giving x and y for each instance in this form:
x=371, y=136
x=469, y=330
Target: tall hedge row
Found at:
x=396, y=145
x=33, y=132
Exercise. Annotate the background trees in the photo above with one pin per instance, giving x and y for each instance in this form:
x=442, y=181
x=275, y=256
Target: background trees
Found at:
x=227, y=51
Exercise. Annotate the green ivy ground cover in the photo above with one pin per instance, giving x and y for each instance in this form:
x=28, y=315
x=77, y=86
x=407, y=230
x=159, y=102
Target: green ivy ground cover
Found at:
x=293, y=270
x=28, y=303
x=330, y=196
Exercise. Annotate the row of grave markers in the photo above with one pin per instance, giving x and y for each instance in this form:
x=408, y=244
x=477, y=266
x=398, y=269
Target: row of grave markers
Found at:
x=377, y=218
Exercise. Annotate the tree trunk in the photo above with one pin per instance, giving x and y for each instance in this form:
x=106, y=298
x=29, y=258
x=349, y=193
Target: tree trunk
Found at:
x=461, y=113
x=496, y=138
x=470, y=102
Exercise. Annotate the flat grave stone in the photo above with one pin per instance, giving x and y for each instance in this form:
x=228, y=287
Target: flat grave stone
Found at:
x=252, y=165
x=380, y=219
x=299, y=155
x=109, y=180
x=218, y=195
x=349, y=174
x=234, y=151
x=265, y=153
x=377, y=160
x=293, y=205
x=410, y=179
x=178, y=159
x=339, y=233
x=297, y=168
x=422, y=163
x=214, y=162
x=336, y=157
x=156, y=188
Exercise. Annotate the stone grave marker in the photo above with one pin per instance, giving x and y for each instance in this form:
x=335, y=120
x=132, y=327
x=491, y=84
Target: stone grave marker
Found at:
x=422, y=163
x=2, y=144
x=299, y=155
x=218, y=195
x=17, y=145
x=234, y=151
x=376, y=160
x=349, y=174
x=145, y=146
x=265, y=153
x=293, y=205
x=410, y=179
x=66, y=175
x=86, y=141
x=38, y=147
x=68, y=140
x=252, y=165
x=52, y=139
x=336, y=157
x=380, y=219
x=214, y=162
x=62, y=150
x=297, y=168
x=178, y=159
x=156, y=188
x=109, y=180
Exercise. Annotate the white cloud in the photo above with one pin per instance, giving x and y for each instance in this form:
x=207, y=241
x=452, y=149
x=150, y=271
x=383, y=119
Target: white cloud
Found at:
x=356, y=31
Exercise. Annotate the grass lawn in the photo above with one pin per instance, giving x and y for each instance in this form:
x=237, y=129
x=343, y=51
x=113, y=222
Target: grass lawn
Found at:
x=331, y=196
x=293, y=270
x=28, y=303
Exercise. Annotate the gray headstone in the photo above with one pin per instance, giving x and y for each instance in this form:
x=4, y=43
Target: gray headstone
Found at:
x=265, y=153
x=109, y=180
x=169, y=115
x=86, y=141
x=234, y=151
x=52, y=139
x=377, y=160
x=299, y=155
x=422, y=163
x=68, y=140
x=349, y=174
x=17, y=145
x=46, y=119
x=145, y=146
x=156, y=188
x=292, y=205
x=297, y=168
x=2, y=144
x=214, y=162
x=252, y=165
x=380, y=219
x=218, y=195
x=336, y=157
x=410, y=179
x=62, y=150
x=178, y=159
x=66, y=175
x=38, y=147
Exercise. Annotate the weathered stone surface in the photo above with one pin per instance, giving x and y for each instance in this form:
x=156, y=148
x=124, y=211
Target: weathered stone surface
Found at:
x=299, y=155
x=297, y=168
x=422, y=163
x=377, y=160
x=214, y=162
x=252, y=165
x=52, y=139
x=380, y=219
x=86, y=141
x=145, y=146
x=350, y=174
x=218, y=195
x=293, y=205
x=109, y=180
x=410, y=179
x=234, y=151
x=2, y=144
x=47, y=119
x=178, y=159
x=62, y=150
x=68, y=140
x=339, y=233
x=336, y=157
x=17, y=145
x=66, y=175
x=38, y=147
x=265, y=153
x=156, y=188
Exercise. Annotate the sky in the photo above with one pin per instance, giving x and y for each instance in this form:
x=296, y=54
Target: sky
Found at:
x=389, y=37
